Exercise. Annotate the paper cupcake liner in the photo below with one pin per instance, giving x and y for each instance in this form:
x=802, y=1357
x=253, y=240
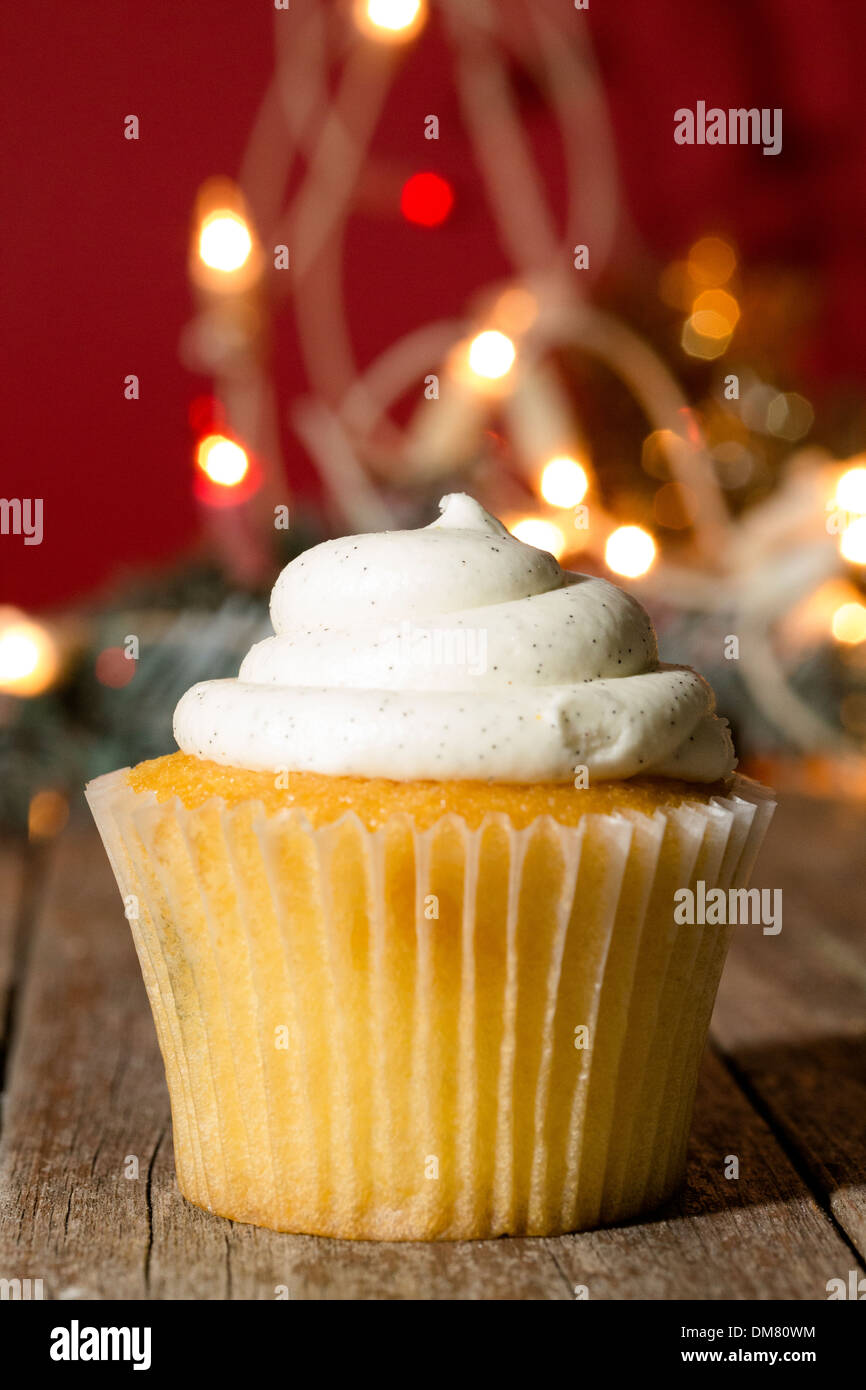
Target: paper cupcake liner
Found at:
x=380, y=1034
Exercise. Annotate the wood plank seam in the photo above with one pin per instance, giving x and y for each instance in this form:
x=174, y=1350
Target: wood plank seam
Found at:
x=25, y=881
x=787, y=1142
x=148, y=1206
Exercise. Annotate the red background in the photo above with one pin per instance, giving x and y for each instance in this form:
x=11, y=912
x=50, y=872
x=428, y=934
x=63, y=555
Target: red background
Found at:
x=96, y=227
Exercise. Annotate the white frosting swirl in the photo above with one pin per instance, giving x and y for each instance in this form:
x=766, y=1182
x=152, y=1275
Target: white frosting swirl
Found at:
x=455, y=651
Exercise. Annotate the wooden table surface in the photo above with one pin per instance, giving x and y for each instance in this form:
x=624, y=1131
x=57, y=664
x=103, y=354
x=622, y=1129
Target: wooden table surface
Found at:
x=783, y=1089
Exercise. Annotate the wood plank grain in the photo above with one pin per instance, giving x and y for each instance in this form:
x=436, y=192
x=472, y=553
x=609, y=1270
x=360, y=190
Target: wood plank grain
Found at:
x=759, y=1236
x=22, y=881
x=84, y=1092
x=791, y=1015
x=87, y=1094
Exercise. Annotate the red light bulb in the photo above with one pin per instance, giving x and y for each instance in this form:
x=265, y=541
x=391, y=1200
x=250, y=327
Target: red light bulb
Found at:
x=426, y=199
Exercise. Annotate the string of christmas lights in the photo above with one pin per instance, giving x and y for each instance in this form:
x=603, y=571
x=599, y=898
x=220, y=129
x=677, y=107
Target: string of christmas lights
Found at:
x=496, y=362
x=784, y=571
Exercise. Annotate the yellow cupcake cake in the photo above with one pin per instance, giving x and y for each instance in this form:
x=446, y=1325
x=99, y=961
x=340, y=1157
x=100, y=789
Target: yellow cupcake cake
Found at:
x=404, y=902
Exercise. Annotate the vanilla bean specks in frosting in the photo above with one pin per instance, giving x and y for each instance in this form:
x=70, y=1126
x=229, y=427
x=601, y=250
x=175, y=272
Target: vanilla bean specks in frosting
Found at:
x=455, y=651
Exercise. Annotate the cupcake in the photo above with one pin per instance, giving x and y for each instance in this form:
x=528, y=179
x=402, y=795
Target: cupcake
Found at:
x=404, y=901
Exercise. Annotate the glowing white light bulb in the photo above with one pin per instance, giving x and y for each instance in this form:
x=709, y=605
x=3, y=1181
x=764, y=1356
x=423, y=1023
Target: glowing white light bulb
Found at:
x=28, y=655
x=491, y=354
x=19, y=657
x=853, y=543
x=224, y=241
x=390, y=19
x=630, y=551
x=224, y=461
x=564, y=482
x=851, y=490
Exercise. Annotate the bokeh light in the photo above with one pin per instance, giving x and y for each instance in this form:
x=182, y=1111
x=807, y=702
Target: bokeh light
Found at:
x=630, y=551
x=222, y=460
x=734, y=463
x=544, y=535
x=426, y=199
x=47, y=814
x=224, y=241
x=657, y=451
x=718, y=303
x=711, y=261
x=390, y=19
x=491, y=355
x=28, y=656
x=706, y=334
x=19, y=656
x=853, y=542
x=564, y=482
x=851, y=490
x=789, y=416
x=849, y=623
x=114, y=669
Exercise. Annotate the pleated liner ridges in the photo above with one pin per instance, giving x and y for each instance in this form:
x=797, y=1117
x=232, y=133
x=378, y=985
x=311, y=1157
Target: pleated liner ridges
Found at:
x=378, y=1034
